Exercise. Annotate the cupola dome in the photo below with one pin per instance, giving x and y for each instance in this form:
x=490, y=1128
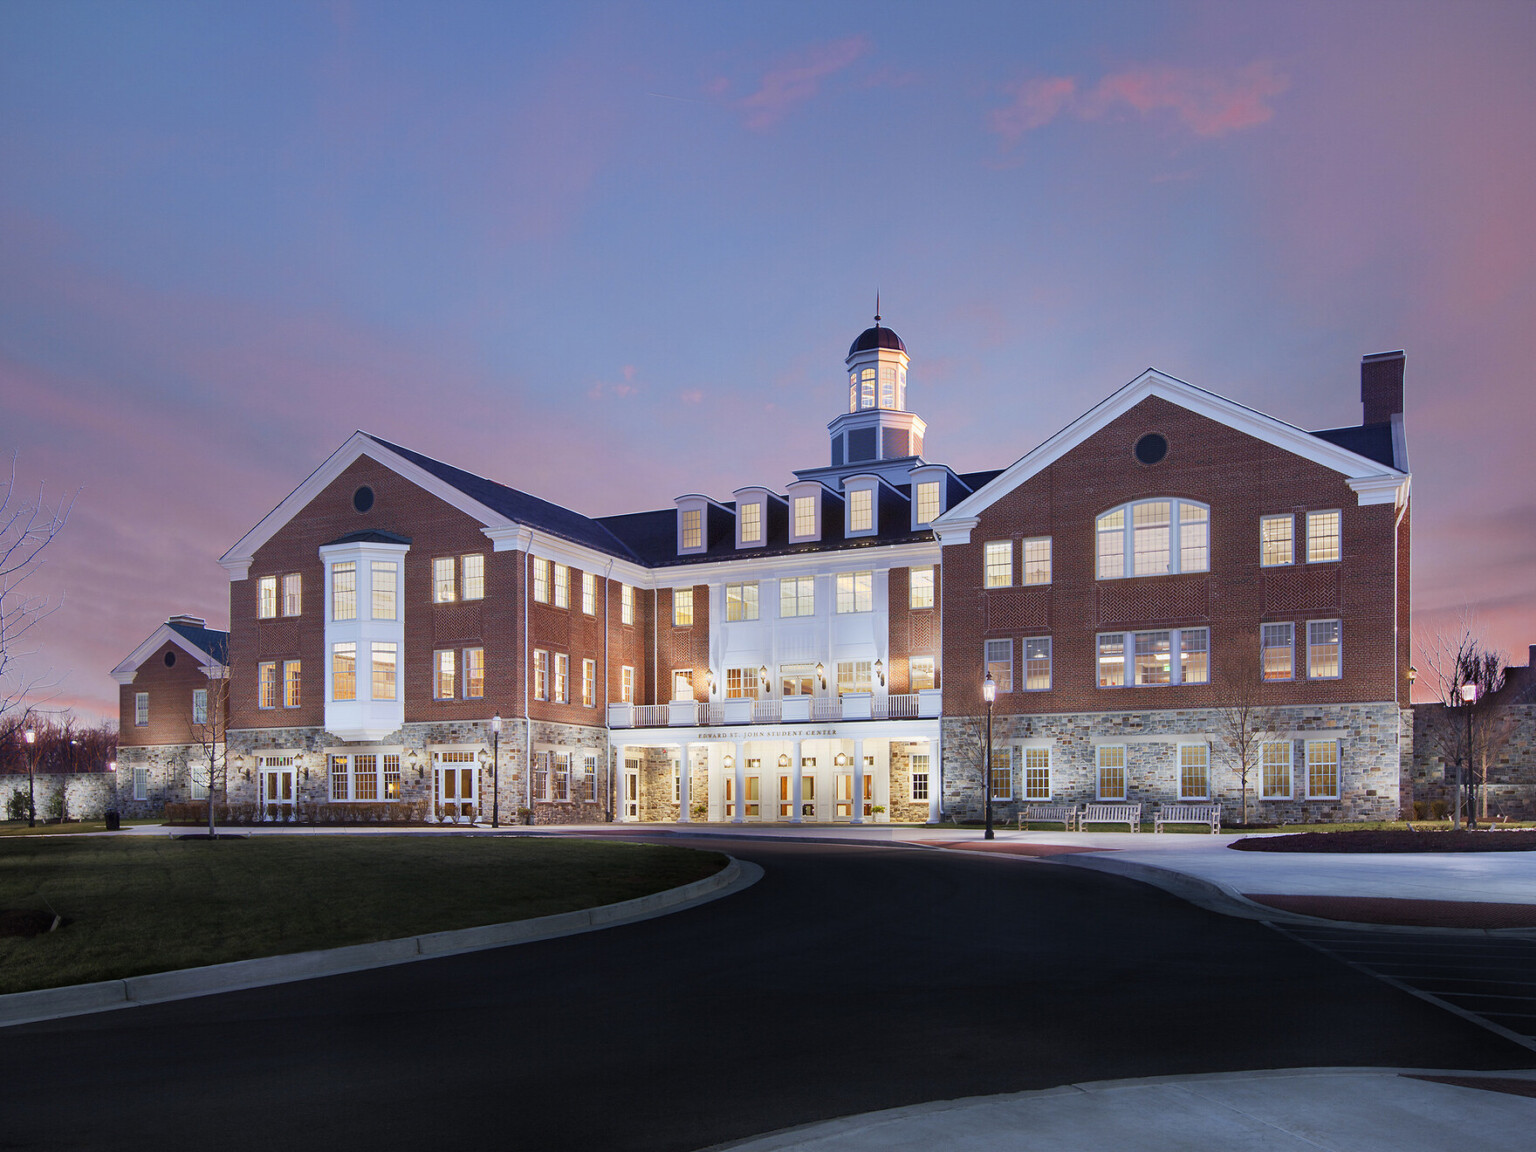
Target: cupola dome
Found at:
x=876, y=337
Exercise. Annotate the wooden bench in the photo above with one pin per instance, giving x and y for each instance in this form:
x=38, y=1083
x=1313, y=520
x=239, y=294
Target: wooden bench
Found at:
x=1208, y=814
x=1110, y=814
x=1063, y=814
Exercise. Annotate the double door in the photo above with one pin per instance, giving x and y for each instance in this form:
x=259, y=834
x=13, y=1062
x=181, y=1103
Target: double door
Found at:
x=458, y=794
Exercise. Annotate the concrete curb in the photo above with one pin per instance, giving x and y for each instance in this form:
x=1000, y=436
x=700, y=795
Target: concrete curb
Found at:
x=1214, y=896
x=157, y=987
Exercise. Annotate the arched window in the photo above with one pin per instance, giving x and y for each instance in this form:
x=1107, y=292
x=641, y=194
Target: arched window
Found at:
x=1153, y=538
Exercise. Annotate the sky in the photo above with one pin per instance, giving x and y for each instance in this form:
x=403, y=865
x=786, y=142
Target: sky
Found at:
x=612, y=253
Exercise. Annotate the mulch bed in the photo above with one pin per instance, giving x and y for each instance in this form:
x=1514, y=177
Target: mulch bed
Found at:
x=1391, y=840
x=24, y=922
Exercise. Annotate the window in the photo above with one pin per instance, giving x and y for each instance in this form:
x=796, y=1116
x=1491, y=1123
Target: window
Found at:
x=922, y=674
x=741, y=683
x=384, y=590
x=562, y=586
x=920, y=587
x=1002, y=774
x=887, y=386
x=854, y=676
x=562, y=677
x=1037, y=560
x=541, y=580
x=1276, y=760
x=1277, y=643
x=805, y=516
x=340, y=778
x=1111, y=763
x=751, y=523
x=1175, y=656
x=1194, y=771
x=444, y=587
x=474, y=673
x=920, y=776
x=589, y=593
x=266, y=684
x=384, y=660
x=693, y=528
x=540, y=674
x=472, y=568
x=855, y=591
x=344, y=591
x=1323, y=657
x=589, y=683
x=392, y=777
x=682, y=684
x=626, y=604
x=292, y=681
x=867, y=388
x=797, y=679
x=589, y=778
x=741, y=601
x=927, y=502
x=541, y=775
x=141, y=783
x=445, y=675
x=1152, y=538
x=199, y=775
x=293, y=594
x=365, y=777
x=1322, y=769
x=797, y=596
x=853, y=391
x=563, y=775
x=861, y=510
x=999, y=655
x=682, y=607
x=344, y=671
x=1322, y=537
x=1276, y=545
x=627, y=684
x=266, y=597
x=1037, y=773
x=199, y=705
x=999, y=563
x=1037, y=664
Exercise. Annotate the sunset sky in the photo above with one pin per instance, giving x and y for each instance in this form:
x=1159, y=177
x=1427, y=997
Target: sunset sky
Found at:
x=231, y=234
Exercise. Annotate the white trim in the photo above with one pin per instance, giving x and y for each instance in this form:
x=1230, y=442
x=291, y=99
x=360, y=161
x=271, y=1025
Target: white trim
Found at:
x=211, y=668
x=1373, y=482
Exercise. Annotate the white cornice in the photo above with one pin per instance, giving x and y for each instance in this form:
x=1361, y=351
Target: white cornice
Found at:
x=125, y=672
x=954, y=531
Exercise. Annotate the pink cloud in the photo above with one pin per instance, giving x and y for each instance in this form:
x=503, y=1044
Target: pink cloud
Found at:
x=693, y=396
x=798, y=79
x=1035, y=104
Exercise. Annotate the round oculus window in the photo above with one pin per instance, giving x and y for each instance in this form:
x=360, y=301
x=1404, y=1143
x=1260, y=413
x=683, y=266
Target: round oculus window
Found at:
x=1151, y=448
x=170, y=659
x=362, y=499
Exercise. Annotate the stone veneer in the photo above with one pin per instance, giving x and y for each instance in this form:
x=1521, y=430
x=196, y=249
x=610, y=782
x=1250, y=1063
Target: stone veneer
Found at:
x=87, y=795
x=1370, y=759
x=1511, y=769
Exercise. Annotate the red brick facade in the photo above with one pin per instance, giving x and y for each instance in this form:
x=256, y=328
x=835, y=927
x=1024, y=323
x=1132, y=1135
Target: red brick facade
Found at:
x=170, y=689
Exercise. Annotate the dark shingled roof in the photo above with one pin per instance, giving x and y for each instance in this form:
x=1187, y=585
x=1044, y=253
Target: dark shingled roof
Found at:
x=876, y=337
x=210, y=640
x=369, y=537
x=519, y=506
x=1373, y=441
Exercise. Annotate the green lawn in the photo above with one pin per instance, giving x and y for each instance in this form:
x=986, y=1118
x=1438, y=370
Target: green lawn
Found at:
x=132, y=906
x=20, y=828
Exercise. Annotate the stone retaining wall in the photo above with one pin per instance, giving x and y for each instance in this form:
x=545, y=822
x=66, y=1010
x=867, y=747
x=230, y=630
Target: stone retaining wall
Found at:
x=1511, y=767
x=86, y=795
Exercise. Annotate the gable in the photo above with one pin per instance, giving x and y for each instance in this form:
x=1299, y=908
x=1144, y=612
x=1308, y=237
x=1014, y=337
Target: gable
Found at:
x=170, y=637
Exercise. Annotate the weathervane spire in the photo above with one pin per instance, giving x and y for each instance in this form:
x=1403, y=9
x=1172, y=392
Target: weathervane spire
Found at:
x=877, y=307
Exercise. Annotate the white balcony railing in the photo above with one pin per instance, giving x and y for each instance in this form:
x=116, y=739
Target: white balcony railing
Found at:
x=851, y=706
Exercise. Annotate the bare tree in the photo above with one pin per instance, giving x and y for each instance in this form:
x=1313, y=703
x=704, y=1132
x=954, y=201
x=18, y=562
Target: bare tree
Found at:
x=1465, y=731
x=208, y=724
x=1243, y=723
x=27, y=527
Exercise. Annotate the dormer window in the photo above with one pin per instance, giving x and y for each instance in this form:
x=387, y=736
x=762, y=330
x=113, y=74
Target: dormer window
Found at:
x=693, y=514
x=1153, y=538
x=751, y=523
x=927, y=502
x=805, y=501
x=693, y=527
x=861, y=495
x=930, y=486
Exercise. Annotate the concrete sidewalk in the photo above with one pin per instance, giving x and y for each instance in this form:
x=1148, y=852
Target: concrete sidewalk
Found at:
x=1338, y=1109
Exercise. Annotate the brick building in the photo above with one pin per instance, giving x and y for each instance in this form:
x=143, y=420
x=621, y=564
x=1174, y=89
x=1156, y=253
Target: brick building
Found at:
x=404, y=631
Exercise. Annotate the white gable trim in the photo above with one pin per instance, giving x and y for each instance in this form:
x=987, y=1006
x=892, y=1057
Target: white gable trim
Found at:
x=237, y=561
x=1374, y=483
x=125, y=672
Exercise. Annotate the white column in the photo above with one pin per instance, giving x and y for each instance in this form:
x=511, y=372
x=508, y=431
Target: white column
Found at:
x=795, y=783
x=682, y=784
x=620, y=800
x=858, y=781
x=741, y=781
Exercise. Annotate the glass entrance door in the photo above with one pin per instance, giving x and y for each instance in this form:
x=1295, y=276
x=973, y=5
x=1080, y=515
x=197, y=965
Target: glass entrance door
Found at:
x=631, y=789
x=457, y=799
x=277, y=788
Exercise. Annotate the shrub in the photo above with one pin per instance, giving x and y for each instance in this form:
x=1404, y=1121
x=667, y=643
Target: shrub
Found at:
x=16, y=806
x=1439, y=808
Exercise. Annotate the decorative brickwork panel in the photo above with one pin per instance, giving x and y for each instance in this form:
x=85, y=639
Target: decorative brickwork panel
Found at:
x=925, y=632
x=1310, y=588
x=1154, y=600
x=1019, y=609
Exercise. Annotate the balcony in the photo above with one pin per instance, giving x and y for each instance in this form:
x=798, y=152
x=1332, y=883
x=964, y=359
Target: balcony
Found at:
x=922, y=705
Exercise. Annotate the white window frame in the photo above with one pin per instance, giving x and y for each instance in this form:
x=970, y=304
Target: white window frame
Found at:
x=932, y=670
x=855, y=592
x=199, y=705
x=1099, y=768
x=383, y=590
x=1002, y=775
x=682, y=607
x=339, y=613
x=927, y=502
x=861, y=508
x=588, y=683
x=141, y=782
x=562, y=586
x=1037, y=560
x=445, y=585
x=474, y=666
x=540, y=674
x=1205, y=766
x=742, y=601
x=267, y=688
x=918, y=776
x=1337, y=643
x=1277, y=548
x=1177, y=650
x=444, y=673
x=755, y=512
x=383, y=664
x=293, y=594
x=1265, y=791
x=1101, y=661
x=266, y=598
x=626, y=603
x=997, y=564
x=1104, y=570
x=813, y=492
x=797, y=596
x=589, y=593
x=992, y=656
x=540, y=580
x=690, y=529
x=1030, y=767
x=626, y=684
x=1031, y=658
x=916, y=602
x=472, y=576
x=1274, y=631
x=1337, y=536
x=1337, y=765
x=293, y=683
x=561, y=689
x=340, y=649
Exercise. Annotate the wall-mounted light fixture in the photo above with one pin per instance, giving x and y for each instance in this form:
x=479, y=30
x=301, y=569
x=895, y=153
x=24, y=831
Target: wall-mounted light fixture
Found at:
x=762, y=678
x=821, y=674
x=709, y=681
x=880, y=670
x=784, y=760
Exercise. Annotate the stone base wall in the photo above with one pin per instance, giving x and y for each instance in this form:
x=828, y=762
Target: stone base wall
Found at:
x=902, y=807
x=70, y=795
x=1511, y=767
x=1370, y=760
x=656, y=801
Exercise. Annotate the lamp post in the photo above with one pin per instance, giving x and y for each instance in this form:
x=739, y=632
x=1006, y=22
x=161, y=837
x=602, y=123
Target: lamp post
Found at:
x=496, y=770
x=1468, y=698
x=31, y=738
x=989, y=693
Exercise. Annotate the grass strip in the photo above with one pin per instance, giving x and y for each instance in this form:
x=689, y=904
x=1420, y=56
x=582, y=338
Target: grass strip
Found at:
x=132, y=906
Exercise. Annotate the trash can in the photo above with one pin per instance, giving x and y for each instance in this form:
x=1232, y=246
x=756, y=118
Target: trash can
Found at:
x=114, y=822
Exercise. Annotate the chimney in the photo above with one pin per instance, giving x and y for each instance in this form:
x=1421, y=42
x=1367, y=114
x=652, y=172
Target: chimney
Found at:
x=192, y=621
x=1381, y=386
